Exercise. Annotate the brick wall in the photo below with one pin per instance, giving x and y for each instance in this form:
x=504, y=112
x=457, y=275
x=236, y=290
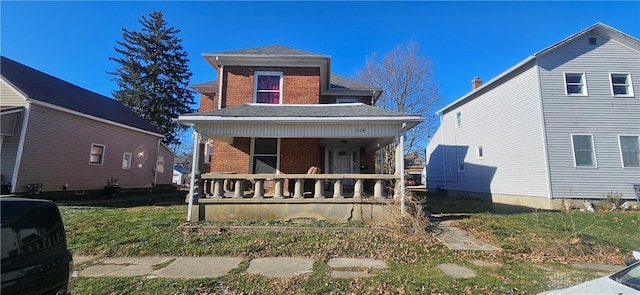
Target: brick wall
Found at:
x=298, y=154
x=231, y=157
x=208, y=103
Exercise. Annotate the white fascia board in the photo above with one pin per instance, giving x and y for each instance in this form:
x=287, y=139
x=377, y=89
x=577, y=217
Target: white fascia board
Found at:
x=65, y=110
x=17, y=109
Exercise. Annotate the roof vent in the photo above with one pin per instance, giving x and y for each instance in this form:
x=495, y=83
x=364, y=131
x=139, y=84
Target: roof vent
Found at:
x=592, y=41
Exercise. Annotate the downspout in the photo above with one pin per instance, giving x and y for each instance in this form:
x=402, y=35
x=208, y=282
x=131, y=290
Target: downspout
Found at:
x=401, y=167
x=220, y=83
x=194, y=165
x=23, y=133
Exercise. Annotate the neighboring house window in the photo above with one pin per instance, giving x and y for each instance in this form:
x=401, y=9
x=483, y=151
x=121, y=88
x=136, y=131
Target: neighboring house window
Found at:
x=630, y=150
x=347, y=99
x=265, y=155
x=621, y=85
x=458, y=119
x=97, y=154
x=208, y=152
x=126, y=161
x=575, y=83
x=461, y=164
x=583, y=151
x=479, y=152
x=268, y=87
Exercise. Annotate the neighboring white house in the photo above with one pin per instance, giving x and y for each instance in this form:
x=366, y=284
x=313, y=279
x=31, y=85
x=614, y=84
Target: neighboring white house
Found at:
x=563, y=123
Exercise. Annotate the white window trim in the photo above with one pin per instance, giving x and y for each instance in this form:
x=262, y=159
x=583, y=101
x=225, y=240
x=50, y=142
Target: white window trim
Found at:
x=620, y=148
x=208, y=152
x=458, y=122
x=104, y=152
x=251, y=157
x=266, y=73
x=124, y=156
x=584, y=84
x=463, y=164
x=595, y=155
x=479, y=155
x=347, y=99
x=630, y=94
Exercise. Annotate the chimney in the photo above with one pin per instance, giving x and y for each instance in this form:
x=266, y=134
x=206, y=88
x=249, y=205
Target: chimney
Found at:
x=475, y=83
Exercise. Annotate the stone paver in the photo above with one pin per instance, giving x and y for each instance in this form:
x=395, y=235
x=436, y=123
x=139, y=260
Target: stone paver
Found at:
x=198, y=267
x=458, y=239
x=280, y=267
x=81, y=260
x=356, y=263
x=348, y=274
x=457, y=271
x=123, y=267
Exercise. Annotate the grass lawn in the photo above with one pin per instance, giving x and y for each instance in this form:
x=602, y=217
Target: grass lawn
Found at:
x=537, y=249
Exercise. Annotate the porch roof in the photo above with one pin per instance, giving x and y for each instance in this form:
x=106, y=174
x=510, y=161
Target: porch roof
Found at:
x=322, y=113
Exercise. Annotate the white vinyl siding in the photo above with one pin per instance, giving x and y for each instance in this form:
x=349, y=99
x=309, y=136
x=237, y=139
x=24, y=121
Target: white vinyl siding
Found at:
x=630, y=150
x=505, y=120
x=598, y=114
x=621, y=85
x=584, y=154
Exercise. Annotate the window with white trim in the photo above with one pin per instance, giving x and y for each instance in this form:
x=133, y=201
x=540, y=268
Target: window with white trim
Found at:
x=479, y=152
x=96, y=155
x=126, y=161
x=583, y=150
x=208, y=152
x=458, y=119
x=630, y=150
x=576, y=84
x=621, y=85
x=268, y=87
x=265, y=155
x=460, y=163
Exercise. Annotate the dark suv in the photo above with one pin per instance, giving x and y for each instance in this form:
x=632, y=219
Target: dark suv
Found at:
x=35, y=258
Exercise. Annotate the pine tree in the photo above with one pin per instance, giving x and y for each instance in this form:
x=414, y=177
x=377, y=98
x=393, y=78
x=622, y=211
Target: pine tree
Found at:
x=153, y=77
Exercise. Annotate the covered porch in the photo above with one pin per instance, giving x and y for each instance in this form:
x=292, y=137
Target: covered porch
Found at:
x=344, y=134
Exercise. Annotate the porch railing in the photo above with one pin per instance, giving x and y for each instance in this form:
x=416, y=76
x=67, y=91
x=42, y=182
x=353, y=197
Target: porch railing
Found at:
x=220, y=185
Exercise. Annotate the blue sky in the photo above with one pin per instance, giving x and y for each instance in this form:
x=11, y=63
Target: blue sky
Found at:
x=74, y=40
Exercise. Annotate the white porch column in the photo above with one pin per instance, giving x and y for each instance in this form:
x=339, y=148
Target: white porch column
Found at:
x=400, y=167
x=194, y=166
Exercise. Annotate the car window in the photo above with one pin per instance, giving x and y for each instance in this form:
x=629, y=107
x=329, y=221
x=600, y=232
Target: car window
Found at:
x=24, y=234
x=629, y=277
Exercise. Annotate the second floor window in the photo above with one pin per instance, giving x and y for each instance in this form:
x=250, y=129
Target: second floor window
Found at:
x=268, y=87
x=575, y=84
x=621, y=85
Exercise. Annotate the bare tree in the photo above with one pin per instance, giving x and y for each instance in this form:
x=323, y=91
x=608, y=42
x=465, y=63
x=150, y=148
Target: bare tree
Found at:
x=406, y=78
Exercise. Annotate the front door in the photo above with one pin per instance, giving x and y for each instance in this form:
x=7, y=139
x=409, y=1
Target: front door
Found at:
x=343, y=164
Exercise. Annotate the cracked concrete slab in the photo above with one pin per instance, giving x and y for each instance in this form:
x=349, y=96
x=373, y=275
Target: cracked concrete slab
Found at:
x=123, y=267
x=280, y=267
x=198, y=267
x=457, y=239
x=457, y=271
x=356, y=263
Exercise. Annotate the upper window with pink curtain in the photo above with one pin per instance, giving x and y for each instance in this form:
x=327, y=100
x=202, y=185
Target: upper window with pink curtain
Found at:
x=268, y=86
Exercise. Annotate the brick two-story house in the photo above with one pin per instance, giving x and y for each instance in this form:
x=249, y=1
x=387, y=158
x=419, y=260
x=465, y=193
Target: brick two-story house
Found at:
x=275, y=112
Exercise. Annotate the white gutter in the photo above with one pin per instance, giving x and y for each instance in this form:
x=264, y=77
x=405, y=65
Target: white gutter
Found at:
x=23, y=133
x=220, y=87
x=194, y=164
x=368, y=120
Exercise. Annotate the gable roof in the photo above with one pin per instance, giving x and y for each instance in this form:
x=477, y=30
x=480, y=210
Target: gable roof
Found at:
x=342, y=83
x=42, y=87
x=598, y=28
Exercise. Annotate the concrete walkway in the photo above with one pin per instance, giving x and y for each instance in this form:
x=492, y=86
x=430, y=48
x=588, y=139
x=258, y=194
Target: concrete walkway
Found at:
x=213, y=267
x=458, y=239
